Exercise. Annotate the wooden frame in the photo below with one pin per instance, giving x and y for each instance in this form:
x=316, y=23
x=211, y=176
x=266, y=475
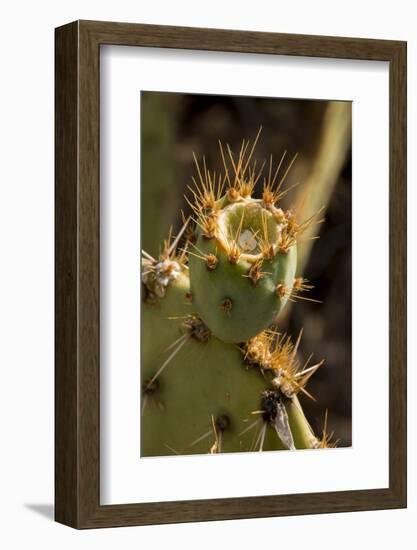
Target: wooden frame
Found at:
x=77, y=373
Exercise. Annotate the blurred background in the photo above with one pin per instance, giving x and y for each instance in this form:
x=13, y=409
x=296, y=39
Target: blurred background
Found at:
x=173, y=126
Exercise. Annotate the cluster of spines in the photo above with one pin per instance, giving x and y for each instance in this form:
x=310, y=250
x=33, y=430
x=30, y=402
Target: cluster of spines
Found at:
x=327, y=440
x=275, y=353
x=218, y=426
x=157, y=273
x=293, y=293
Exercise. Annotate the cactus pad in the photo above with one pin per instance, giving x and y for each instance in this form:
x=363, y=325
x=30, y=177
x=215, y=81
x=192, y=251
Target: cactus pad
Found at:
x=238, y=273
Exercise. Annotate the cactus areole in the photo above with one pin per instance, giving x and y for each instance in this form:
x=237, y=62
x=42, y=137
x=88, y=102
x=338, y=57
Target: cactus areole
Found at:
x=242, y=267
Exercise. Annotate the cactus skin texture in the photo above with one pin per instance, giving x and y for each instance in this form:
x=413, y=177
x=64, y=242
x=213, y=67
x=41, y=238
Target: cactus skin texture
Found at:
x=238, y=297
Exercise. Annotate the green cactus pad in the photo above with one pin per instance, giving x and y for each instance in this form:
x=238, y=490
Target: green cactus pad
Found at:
x=235, y=305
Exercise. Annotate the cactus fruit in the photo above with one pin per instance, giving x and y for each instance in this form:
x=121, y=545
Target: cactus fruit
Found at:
x=216, y=375
x=243, y=258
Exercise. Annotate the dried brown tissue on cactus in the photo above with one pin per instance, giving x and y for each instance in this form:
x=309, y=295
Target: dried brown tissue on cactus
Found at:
x=245, y=308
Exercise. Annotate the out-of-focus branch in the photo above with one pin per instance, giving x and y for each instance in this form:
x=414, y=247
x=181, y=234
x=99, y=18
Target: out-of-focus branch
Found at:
x=317, y=190
x=159, y=176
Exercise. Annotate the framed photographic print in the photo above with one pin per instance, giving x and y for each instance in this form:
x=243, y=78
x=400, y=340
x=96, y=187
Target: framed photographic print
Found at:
x=230, y=274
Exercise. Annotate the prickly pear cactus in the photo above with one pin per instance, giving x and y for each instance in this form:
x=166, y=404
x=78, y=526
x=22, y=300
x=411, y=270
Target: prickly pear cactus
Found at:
x=216, y=375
